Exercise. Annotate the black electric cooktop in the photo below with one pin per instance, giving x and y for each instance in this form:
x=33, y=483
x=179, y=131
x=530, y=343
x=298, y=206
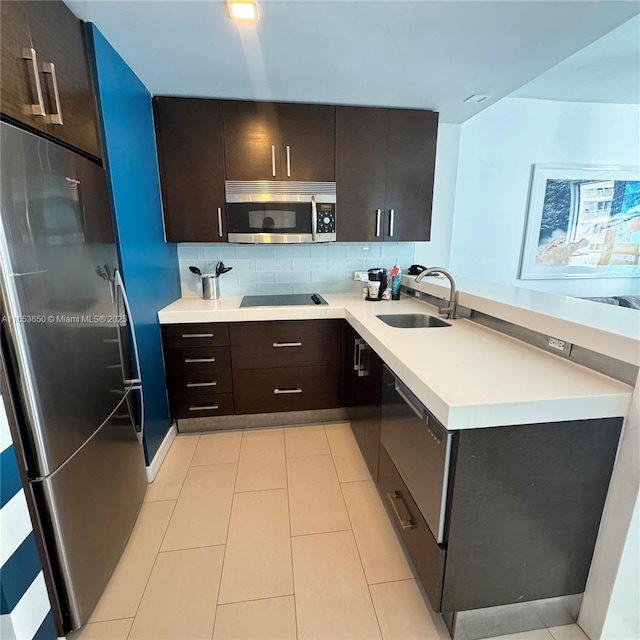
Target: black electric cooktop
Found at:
x=283, y=300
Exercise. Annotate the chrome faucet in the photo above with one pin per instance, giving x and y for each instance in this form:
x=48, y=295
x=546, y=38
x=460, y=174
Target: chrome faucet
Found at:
x=450, y=309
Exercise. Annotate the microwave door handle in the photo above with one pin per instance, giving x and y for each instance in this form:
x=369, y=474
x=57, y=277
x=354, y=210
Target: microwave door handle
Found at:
x=136, y=380
x=314, y=219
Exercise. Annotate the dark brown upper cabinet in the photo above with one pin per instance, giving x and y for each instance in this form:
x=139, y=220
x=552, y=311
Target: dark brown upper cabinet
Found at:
x=191, y=161
x=46, y=79
x=271, y=141
x=385, y=160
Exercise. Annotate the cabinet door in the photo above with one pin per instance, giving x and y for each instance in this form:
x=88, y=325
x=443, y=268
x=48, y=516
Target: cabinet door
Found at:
x=411, y=154
x=58, y=37
x=307, y=139
x=251, y=141
x=19, y=76
x=361, y=171
x=191, y=160
x=363, y=391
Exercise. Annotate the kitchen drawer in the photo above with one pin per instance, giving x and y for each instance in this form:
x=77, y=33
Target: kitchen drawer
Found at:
x=198, y=383
x=291, y=389
x=196, y=335
x=190, y=359
x=427, y=556
x=286, y=343
x=214, y=404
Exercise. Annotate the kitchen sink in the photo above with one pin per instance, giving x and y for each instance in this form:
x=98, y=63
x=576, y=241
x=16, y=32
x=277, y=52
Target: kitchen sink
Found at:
x=412, y=320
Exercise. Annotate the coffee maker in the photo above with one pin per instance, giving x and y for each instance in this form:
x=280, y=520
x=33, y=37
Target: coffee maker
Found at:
x=377, y=283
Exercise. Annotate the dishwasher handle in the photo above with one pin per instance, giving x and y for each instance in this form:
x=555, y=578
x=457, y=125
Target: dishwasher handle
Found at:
x=410, y=399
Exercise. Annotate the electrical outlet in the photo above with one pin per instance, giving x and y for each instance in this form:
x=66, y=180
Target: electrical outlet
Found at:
x=360, y=276
x=555, y=343
x=561, y=346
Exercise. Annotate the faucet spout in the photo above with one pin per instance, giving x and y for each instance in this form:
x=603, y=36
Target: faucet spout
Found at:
x=450, y=308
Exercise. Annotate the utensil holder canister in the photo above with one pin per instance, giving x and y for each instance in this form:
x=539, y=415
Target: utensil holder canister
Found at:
x=210, y=287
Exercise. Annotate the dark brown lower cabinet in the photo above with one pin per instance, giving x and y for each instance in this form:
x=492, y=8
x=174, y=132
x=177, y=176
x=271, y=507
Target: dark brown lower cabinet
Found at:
x=253, y=367
x=287, y=389
x=199, y=406
x=525, y=508
x=522, y=515
x=362, y=393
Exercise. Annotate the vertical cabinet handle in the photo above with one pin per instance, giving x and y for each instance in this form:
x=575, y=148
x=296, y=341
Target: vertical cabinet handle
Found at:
x=288, y=161
x=392, y=214
x=273, y=160
x=356, y=354
x=220, y=221
x=37, y=109
x=50, y=68
x=377, y=223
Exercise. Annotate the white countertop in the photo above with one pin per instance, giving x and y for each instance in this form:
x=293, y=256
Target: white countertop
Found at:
x=467, y=375
x=608, y=329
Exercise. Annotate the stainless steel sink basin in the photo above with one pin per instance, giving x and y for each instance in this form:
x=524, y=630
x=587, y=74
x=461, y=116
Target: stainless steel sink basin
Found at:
x=412, y=320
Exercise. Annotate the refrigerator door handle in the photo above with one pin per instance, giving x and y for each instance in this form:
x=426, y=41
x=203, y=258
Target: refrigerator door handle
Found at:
x=136, y=379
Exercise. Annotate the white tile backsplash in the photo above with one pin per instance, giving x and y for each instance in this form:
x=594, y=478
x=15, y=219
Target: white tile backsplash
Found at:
x=322, y=268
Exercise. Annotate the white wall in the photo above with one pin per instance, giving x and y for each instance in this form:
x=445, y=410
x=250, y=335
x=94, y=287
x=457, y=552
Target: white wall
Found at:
x=436, y=251
x=497, y=149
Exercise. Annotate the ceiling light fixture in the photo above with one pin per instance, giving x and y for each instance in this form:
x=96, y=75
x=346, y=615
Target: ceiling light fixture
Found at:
x=242, y=9
x=477, y=98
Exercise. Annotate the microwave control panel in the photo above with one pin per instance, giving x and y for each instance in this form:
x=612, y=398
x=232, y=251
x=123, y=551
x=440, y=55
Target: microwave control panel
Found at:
x=326, y=213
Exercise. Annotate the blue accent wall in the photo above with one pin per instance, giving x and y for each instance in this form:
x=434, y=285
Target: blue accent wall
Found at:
x=149, y=265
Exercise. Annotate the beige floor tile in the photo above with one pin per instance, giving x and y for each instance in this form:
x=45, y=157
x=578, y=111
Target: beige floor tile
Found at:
x=201, y=516
x=332, y=597
x=382, y=556
x=309, y=440
x=124, y=591
x=111, y=630
x=315, y=500
x=272, y=619
x=169, y=480
x=257, y=561
x=536, y=634
x=262, y=461
x=568, y=632
x=350, y=464
x=221, y=447
x=404, y=615
x=180, y=599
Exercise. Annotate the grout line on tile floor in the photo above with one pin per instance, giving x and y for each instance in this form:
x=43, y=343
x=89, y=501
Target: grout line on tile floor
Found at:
x=257, y=490
x=319, y=533
x=146, y=584
x=355, y=541
x=226, y=540
x=293, y=575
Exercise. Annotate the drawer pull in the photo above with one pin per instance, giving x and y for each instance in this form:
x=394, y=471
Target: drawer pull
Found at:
x=197, y=335
x=203, y=407
x=281, y=391
x=401, y=510
x=190, y=360
x=202, y=384
x=276, y=345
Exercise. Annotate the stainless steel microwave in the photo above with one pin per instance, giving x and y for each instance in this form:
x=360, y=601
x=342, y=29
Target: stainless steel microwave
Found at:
x=268, y=211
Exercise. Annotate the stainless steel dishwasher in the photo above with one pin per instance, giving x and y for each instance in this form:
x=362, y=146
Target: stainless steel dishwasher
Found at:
x=420, y=449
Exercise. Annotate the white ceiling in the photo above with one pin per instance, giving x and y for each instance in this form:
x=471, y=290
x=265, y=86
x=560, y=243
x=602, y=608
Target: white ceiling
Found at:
x=608, y=70
x=422, y=53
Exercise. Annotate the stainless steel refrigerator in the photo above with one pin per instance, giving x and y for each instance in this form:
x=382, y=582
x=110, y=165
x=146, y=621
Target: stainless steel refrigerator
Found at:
x=71, y=365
